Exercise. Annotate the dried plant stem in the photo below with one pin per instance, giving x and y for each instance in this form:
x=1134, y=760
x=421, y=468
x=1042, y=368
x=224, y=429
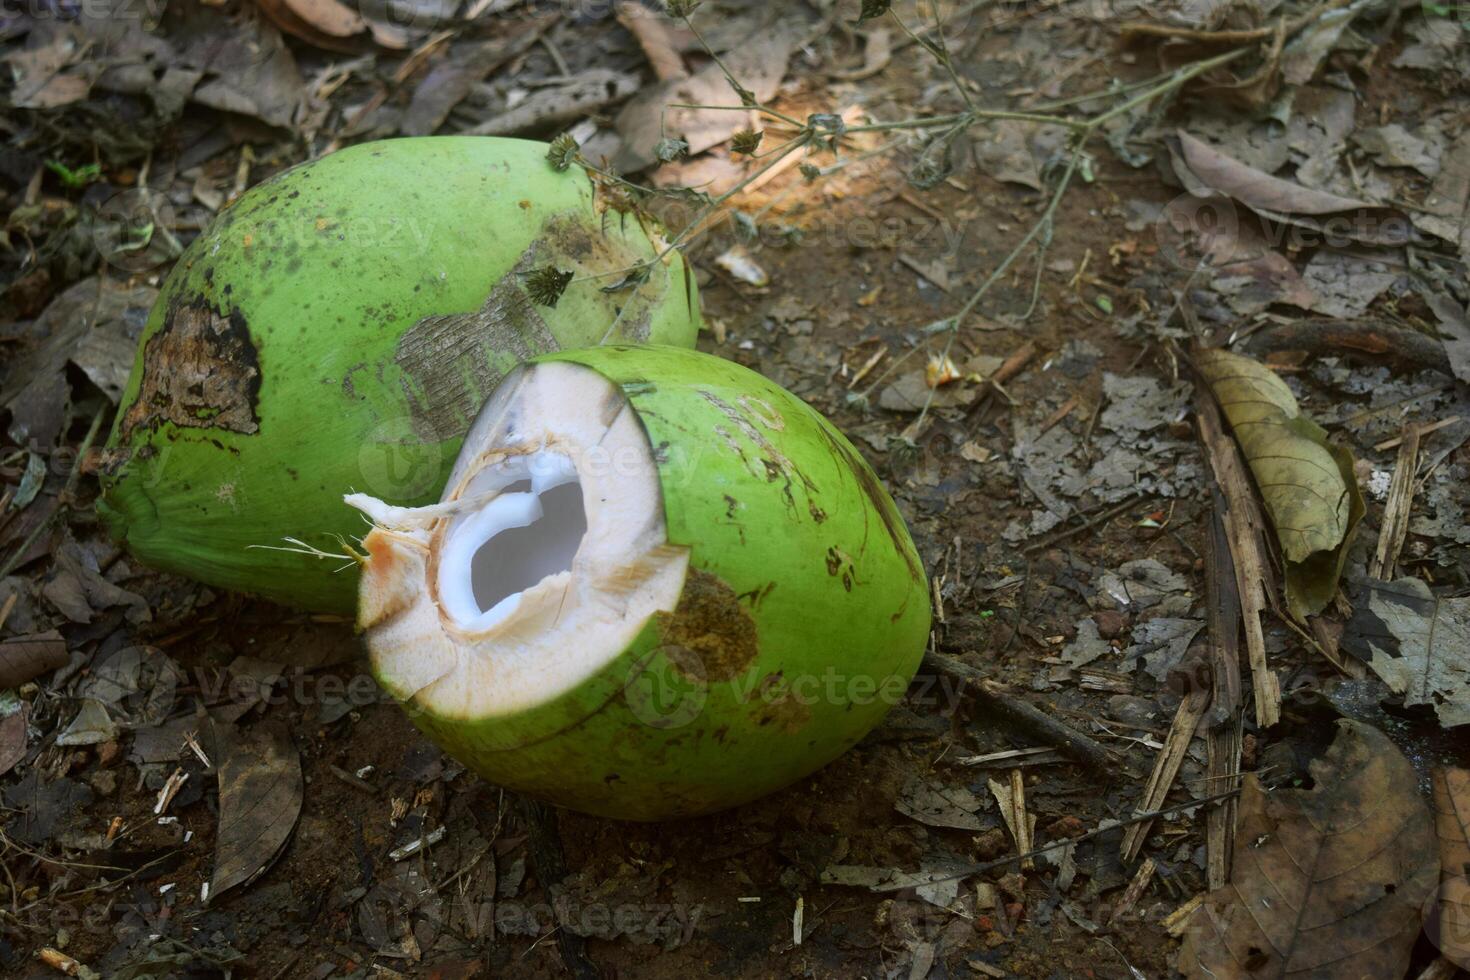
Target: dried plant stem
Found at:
x=1043, y=224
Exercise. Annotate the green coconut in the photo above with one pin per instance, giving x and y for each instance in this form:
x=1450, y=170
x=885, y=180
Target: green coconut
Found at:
x=340, y=326
x=657, y=585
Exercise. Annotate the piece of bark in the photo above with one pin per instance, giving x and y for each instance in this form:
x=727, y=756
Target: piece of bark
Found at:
x=1405, y=349
x=550, y=863
x=1135, y=888
x=1245, y=527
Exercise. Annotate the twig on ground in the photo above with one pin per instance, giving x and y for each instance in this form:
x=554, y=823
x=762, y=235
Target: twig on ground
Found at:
x=1011, y=795
x=1100, y=518
x=1136, y=887
x=1060, y=843
x=1066, y=739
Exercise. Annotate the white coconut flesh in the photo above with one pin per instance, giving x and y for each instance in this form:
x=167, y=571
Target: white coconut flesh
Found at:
x=545, y=558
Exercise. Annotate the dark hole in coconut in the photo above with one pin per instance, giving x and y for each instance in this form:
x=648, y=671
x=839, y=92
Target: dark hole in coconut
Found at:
x=519, y=557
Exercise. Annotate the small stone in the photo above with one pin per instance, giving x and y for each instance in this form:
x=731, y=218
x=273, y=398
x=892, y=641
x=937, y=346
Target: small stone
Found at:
x=1110, y=623
x=103, y=782
x=108, y=752
x=991, y=844
x=1014, y=885
x=1068, y=826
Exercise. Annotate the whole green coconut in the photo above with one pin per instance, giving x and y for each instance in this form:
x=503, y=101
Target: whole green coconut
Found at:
x=340, y=325
x=656, y=585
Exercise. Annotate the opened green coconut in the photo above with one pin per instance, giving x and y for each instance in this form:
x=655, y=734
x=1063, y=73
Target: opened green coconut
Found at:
x=657, y=585
x=340, y=325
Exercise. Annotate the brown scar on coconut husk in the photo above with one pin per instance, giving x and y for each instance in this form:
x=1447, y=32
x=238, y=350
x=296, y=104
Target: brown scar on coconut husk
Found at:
x=710, y=623
x=201, y=370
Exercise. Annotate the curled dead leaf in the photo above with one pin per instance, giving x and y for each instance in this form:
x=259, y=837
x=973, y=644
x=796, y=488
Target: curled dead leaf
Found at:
x=1306, y=483
x=1320, y=217
x=327, y=24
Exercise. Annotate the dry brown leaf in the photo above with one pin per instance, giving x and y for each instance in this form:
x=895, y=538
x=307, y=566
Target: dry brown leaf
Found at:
x=1325, y=880
x=24, y=658
x=1330, y=218
x=448, y=82
x=759, y=62
x=327, y=24
x=877, y=53
x=1449, y=925
x=42, y=78
x=13, y=737
x=1306, y=483
x=260, y=790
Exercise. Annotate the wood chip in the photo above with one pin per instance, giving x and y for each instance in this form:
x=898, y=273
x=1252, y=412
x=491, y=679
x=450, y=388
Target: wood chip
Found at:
x=1012, y=800
x=1396, y=510
x=1177, y=921
x=1135, y=889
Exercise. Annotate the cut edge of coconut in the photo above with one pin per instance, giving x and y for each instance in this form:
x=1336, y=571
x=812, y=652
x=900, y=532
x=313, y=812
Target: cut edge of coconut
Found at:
x=543, y=561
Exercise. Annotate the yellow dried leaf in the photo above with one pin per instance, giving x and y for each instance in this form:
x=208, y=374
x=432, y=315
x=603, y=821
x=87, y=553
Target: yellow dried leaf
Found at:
x=1306, y=483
